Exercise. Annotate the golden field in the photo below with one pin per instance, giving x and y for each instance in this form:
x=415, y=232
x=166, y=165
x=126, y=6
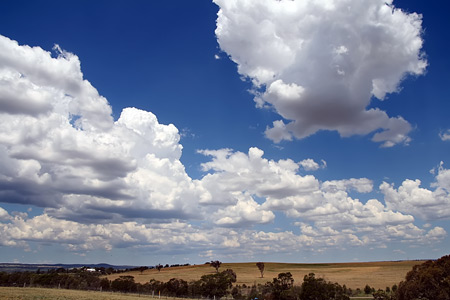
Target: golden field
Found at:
x=353, y=275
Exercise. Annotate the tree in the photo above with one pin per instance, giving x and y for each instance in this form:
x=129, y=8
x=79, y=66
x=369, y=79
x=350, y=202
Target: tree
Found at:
x=367, y=289
x=176, y=287
x=217, y=284
x=159, y=267
x=215, y=264
x=279, y=287
x=231, y=275
x=236, y=293
x=260, y=266
x=124, y=284
x=154, y=285
x=318, y=289
x=105, y=284
x=430, y=280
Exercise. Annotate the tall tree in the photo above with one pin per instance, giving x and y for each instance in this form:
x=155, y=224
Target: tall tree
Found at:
x=260, y=266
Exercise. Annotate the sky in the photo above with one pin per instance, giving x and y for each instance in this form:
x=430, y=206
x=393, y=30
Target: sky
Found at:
x=145, y=132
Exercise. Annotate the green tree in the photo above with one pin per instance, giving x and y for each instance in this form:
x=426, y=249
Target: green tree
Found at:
x=195, y=289
x=279, y=288
x=430, y=280
x=367, y=289
x=124, y=284
x=105, y=284
x=217, y=284
x=176, y=287
x=318, y=289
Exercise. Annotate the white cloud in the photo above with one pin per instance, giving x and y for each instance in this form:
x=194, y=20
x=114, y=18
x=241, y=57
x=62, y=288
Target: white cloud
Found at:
x=318, y=63
x=3, y=214
x=86, y=237
x=426, y=203
x=361, y=185
x=445, y=136
x=245, y=211
x=236, y=177
x=309, y=164
x=236, y=172
x=64, y=152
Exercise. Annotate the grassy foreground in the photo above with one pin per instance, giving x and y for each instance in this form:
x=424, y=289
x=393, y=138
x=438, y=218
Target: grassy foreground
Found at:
x=12, y=293
x=354, y=275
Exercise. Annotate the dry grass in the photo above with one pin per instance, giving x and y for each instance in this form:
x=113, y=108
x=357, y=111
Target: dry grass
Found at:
x=353, y=275
x=12, y=293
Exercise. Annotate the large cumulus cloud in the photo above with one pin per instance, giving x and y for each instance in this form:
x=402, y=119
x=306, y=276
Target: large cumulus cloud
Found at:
x=61, y=149
x=320, y=63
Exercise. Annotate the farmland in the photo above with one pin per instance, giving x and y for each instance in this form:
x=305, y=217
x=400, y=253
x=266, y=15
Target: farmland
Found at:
x=353, y=275
x=14, y=293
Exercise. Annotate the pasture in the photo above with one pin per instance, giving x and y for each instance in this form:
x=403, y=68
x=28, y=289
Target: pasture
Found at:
x=15, y=293
x=353, y=275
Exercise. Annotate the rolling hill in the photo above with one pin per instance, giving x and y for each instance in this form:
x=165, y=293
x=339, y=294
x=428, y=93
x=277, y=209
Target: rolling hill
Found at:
x=353, y=275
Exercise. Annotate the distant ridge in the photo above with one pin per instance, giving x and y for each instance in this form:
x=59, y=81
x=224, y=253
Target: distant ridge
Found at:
x=16, y=267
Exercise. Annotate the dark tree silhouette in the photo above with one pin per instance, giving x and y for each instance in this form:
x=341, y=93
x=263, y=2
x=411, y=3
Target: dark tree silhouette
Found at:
x=217, y=284
x=159, y=267
x=318, y=289
x=176, y=287
x=124, y=284
x=430, y=280
x=260, y=266
x=280, y=287
x=216, y=264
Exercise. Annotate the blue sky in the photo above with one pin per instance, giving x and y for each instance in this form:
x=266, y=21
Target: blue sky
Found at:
x=164, y=132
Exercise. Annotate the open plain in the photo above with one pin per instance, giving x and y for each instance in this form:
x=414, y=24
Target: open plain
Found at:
x=354, y=275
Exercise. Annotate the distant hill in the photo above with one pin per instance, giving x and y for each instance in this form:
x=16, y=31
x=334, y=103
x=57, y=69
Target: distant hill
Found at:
x=14, y=267
x=354, y=275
